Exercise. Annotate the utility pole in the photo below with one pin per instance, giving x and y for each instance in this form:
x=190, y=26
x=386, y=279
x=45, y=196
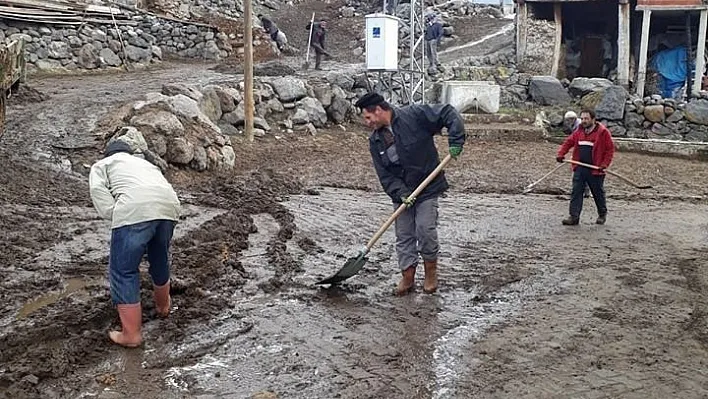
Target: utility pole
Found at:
x=248, y=67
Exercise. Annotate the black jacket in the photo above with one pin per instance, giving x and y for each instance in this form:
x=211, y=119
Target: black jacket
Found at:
x=413, y=129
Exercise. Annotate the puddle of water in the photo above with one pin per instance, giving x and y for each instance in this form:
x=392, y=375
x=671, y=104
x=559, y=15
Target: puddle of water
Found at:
x=71, y=285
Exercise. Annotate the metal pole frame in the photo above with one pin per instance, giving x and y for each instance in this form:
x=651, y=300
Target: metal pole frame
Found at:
x=410, y=82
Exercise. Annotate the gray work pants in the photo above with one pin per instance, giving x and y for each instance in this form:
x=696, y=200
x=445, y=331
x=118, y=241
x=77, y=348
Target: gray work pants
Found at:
x=416, y=233
x=431, y=48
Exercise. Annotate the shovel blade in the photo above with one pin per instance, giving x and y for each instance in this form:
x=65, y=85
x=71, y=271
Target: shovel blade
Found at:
x=349, y=269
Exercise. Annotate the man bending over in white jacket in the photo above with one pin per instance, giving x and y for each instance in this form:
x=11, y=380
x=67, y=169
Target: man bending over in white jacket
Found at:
x=143, y=209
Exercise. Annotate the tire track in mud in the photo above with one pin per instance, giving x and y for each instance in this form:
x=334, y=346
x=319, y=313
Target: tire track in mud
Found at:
x=698, y=322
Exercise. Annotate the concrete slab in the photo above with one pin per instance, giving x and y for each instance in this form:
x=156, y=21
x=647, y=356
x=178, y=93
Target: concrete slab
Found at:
x=472, y=96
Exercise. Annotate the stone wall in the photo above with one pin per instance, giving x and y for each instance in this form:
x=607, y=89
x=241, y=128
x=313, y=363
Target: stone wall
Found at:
x=55, y=48
x=540, y=43
x=658, y=118
x=514, y=85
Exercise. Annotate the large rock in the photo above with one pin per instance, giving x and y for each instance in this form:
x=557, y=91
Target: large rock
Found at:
x=289, y=88
x=210, y=104
x=582, y=86
x=339, y=109
x=200, y=161
x=179, y=151
x=132, y=137
x=607, y=103
x=228, y=98
x=324, y=94
x=697, y=112
x=109, y=57
x=229, y=157
x=173, y=89
x=237, y=117
x=632, y=120
x=59, y=50
x=654, y=113
x=88, y=57
x=160, y=122
x=180, y=105
x=315, y=112
x=137, y=54
x=547, y=90
x=301, y=117
x=342, y=80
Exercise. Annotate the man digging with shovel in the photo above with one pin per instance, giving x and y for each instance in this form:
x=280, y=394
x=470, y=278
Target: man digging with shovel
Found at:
x=404, y=154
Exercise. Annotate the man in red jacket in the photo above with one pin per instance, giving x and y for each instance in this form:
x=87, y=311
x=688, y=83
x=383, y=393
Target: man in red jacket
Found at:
x=592, y=144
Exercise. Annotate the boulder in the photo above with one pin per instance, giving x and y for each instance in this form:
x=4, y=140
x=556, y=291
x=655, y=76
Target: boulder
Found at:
x=210, y=104
x=301, y=117
x=200, y=161
x=160, y=122
x=131, y=136
x=547, y=90
x=179, y=151
x=109, y=57
x=339, y=110
x=582, y=86
x=173, y=89
x=342, y=80
x=88, y=57
x=608, y=103
x=654, y=113
x=315, y=112
x=228, y=98
x=633, y=120
x=182, y=106
x=289, y=88
x=697, y=112
x=324, y=94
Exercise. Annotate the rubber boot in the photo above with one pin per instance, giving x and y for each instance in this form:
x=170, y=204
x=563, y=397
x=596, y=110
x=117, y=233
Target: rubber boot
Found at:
x=430, y=284
x=571, y=221
x=407, y=281
x=163, y=302
x=131, y=319
x=601, y=219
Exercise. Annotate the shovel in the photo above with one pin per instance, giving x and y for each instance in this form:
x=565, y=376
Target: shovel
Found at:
x=355, y=264
x=306, y=65
x=530, y=186
x=615, y=174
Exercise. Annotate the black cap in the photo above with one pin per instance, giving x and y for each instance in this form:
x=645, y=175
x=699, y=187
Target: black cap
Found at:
x=369, y=100
x=116, y=147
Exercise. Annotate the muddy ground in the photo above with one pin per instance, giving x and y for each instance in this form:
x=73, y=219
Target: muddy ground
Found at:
x=526, y=307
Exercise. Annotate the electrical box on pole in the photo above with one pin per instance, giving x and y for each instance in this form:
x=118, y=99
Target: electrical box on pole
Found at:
x=381, y=43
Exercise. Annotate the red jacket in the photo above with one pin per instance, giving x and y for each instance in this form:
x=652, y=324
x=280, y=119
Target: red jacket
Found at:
x=603, y=148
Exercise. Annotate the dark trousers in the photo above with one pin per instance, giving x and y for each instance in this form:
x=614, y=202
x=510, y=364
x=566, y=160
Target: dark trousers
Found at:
x=583, y=177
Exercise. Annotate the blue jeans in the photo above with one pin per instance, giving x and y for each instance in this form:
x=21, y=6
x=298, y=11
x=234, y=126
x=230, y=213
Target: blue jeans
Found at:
x=128, y=245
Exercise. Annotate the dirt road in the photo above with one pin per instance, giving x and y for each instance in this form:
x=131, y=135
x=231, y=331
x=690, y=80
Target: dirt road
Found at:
x=527, y=307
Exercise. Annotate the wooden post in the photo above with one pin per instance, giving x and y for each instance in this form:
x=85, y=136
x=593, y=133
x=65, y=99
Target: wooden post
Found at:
x=521, y=26
x=643, y=48
x=248, y=68
x=623, y=44
x=700, y=54
x=559, y=38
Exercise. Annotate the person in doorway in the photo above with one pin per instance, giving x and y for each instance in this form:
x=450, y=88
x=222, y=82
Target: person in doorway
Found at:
x=272, y=30
x=433, y=35
x=404, y=154
x=317, y=42
x=143, y=209
x=592, y=144
x=570, y=122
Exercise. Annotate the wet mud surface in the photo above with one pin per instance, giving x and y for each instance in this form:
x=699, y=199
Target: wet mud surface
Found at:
x=526, y=307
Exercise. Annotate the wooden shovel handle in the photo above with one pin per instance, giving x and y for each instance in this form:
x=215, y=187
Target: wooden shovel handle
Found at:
x=402, y=208
x=615, y=174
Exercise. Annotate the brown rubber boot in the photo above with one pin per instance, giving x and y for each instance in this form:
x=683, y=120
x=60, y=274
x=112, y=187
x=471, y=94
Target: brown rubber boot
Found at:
x=161, y=294
x=407, y=281
x=131, y=318
x=430, y=284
